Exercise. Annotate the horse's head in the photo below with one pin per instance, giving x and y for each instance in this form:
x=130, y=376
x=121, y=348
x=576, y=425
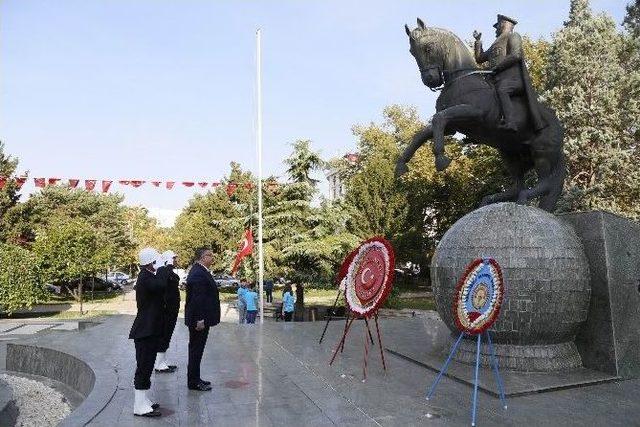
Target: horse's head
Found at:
x=435, y=50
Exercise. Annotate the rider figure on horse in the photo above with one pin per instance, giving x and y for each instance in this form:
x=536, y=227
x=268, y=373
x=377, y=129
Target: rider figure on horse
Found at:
x=511, y=77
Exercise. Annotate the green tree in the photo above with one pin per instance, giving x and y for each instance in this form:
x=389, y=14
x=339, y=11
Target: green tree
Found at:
x=632, y=19
x=104, y=213
x=302, y=162
x=589, y=87
x=20, y=282
x=8, y=193
x=68, y=252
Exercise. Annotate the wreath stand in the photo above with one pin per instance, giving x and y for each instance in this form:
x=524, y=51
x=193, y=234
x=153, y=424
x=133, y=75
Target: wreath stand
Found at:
x=494, y=366
x=333, y=308
x=367, y=337
x=365, y=279
x=476, y=306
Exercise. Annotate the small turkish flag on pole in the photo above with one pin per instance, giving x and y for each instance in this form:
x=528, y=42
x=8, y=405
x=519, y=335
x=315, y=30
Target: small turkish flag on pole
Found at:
x=3, y=181
x=20, y=182
x=73, y=183
x=89, y=184
x=246, y=247
x=39, y=182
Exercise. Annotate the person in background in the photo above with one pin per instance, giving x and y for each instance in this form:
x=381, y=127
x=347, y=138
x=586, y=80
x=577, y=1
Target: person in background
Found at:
x=201, y=311
x=241, y=304
x=288, y=303
x=268, y=289
x=251, y=300
x=147, y=330
x=171, y=309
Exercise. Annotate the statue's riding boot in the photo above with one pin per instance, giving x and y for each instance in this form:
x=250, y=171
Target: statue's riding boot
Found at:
x=507, y=112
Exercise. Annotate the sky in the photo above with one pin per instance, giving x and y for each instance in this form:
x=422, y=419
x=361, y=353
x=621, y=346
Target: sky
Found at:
x=166, y=89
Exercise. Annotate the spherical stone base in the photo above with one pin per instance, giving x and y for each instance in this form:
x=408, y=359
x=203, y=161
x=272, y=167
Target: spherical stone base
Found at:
x=524, y=358
x=546, y=279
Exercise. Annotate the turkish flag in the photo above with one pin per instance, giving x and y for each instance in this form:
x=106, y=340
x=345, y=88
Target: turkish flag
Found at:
x=89, y=184
x=39, y=182
x=53, y=181
x=246, y=247
x=203, y=184
x=124, y=182
x=248, y=185
x=156, y=183
x=215, y=184
x=20, y=182
x=3, y=181
x=73, y=183
x=137, y=184
x=106, y=185
x=188, y=183
x=170, y=185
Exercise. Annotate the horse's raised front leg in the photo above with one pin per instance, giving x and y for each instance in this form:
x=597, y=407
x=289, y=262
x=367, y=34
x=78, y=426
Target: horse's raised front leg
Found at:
x=442, y=122
x=418, y=139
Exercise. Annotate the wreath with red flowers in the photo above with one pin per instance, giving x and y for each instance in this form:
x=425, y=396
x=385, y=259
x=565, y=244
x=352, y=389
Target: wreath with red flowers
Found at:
x=367, y=275
x=478, y=296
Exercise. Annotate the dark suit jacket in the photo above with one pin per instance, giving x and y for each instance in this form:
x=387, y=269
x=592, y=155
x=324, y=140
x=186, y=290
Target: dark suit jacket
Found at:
x=172, y=291
x=150, y=301
x=203, y=301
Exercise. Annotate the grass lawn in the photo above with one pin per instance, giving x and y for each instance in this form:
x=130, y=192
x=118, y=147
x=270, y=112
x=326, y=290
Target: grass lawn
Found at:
x=98, y=297
x=62, y=315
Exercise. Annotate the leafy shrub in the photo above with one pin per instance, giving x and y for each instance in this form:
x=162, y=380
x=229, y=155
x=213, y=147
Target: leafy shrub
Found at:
x=20, y=284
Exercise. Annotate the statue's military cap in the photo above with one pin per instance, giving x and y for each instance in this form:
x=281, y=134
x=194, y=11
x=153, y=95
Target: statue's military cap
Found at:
x=504, y=18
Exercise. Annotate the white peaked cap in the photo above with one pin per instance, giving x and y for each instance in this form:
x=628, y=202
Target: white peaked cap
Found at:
x=168, y=257
x=148, y=256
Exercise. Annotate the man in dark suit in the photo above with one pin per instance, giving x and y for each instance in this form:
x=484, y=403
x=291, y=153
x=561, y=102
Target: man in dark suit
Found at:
x=201, y=311
x=146, y=330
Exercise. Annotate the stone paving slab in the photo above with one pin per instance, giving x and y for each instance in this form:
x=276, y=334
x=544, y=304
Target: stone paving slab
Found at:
x=433, y=353
x=7, y=326
x=29, y=329
x=277, y=375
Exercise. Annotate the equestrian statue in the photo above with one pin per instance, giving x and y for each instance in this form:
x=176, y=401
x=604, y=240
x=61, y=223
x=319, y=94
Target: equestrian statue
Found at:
x=496, y=106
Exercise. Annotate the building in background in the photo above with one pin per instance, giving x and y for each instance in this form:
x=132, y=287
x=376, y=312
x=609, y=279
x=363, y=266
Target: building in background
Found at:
x=334, y=173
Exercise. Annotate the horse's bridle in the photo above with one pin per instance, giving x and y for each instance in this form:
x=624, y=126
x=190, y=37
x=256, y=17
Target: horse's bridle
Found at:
x=446, y=81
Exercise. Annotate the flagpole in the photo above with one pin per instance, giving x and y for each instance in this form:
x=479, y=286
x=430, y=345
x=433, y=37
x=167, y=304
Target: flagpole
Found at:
x=259, y=143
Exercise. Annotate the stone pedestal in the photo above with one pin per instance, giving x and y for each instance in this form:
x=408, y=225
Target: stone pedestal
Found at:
x=609, y=340
x=546, y=278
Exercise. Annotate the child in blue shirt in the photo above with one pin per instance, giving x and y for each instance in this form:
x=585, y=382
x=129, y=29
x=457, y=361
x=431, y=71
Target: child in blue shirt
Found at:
x=288, y=303
x=251, y=300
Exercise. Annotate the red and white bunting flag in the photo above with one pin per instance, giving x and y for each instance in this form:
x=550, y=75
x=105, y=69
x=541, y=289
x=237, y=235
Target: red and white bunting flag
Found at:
x=203, y=184
x=248, y=185
x=73, y=183
x=215, y=184
x=3, y=181
x=137, y=184
x=156, y=183
x=170, y=185
x=105, y=185
x=39, y=182
x=20, y=181
x=188, y=183
x=53, y=181
x=231, y=188
x=124, y=182
x=89, y=184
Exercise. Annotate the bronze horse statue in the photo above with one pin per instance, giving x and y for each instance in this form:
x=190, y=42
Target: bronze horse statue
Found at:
x=469, y=104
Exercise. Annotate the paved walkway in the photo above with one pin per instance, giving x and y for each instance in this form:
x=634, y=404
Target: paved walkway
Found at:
x=277, y=374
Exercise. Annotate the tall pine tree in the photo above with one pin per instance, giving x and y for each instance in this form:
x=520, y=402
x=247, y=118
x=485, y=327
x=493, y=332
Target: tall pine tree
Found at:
x=589, y=86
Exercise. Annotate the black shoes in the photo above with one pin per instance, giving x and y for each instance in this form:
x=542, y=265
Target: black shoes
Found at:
x=151, y=414
x=155, y=406
x=205, y=382
x=201, y=386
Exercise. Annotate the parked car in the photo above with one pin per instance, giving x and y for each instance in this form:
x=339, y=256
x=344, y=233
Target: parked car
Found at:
x=100, y=285
x=118, y=277
x=226, y=281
